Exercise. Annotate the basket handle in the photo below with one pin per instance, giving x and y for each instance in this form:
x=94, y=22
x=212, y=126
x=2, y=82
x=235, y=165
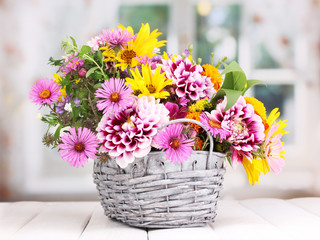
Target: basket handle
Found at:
x=186, y=120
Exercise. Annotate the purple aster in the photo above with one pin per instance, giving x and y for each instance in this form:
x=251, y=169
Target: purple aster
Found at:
x=212, y=122
x=45, y=91
x=72, y=63
x=174, y=143
x=60, y=105
x=115, y=96
x=117, y=38
x=78, y=145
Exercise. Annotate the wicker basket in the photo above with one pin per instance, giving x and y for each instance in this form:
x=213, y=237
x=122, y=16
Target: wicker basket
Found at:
x=152, y=192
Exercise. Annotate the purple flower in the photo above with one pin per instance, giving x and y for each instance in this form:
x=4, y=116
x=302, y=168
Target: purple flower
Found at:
x=175, y=112
x=72, y=63
x=45, y=91
x=115, y=96
x=174, y=143
x=77, y=146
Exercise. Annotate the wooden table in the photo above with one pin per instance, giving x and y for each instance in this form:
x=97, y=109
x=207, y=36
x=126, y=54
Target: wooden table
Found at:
x=255, y=219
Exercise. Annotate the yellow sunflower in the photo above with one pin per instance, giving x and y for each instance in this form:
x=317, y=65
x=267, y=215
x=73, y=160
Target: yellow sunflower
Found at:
x=149, y=83
x=143, y=45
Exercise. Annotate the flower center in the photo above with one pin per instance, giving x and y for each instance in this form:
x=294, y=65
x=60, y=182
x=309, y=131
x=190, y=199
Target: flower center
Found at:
x=45, y=94
x=175, y=143
x=79, y=147
x=115, y=97
x=151, y=89
x=214, y=124
x=127, y=56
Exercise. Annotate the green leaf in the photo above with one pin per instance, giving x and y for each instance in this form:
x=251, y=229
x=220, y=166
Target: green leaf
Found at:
x=232, y=67
x=96, y=86
x=85, y=49
x=232, y=97
x=251, y=83
x=73, y=41
x=100, y=57
x=57, y=133
x=90, y=71
x=240, y=80
x=97, y=76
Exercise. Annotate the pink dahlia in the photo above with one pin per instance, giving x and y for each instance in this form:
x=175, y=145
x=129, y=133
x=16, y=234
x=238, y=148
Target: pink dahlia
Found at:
x=77, y=146
x=212, y=122
x=274, y=149
x=72, y=63
x=245, y=128
x=176, y=145
x=128, y=134
x=187, y=79
x=115, y=96
x=45, y=91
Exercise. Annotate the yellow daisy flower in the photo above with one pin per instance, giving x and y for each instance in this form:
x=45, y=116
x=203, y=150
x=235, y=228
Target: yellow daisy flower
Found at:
x=143, y=45
x=109, y=54
x=272, y=118
x=149, y=83
x=63, y=93
x=254, y=168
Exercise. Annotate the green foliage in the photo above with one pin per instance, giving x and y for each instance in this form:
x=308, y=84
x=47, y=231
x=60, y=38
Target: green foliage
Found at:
x=235, y=84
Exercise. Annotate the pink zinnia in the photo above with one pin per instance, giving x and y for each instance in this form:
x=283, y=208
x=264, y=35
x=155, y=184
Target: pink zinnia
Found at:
x=274, y=149
x=115, y=96
x=45, y=91
x=117, y=37
x=176, y=145
x=78, y=145
x=212, y=122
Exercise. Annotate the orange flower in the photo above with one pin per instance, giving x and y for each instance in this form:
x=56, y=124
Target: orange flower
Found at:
x=198, y=144
x=195, y=116
x=212, y=72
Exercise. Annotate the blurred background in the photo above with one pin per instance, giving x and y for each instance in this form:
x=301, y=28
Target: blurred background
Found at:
x=275, y=41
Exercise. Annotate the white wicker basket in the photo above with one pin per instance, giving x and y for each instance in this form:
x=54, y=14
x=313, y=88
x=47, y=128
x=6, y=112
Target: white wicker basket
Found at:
x=152, y=192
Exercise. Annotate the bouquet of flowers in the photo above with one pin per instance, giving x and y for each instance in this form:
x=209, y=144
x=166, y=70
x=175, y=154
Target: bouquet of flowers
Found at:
x=110, y=97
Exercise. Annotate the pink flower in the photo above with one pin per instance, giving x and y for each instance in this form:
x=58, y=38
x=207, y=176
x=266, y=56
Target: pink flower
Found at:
x=212, y=122
x=176, y=145
x=128, y=134
x=245, y=128
x=77, y=146
x=175, y=112
x=71, y=64
x=187, y=79
x=274, y=150
x=115, y=96
x=45, y=91
x=117, y=38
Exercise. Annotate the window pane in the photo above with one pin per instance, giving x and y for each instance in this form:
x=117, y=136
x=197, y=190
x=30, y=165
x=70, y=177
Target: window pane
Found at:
x=282, y=97
x=217, y=31
x=272, y=33
x=156, y=15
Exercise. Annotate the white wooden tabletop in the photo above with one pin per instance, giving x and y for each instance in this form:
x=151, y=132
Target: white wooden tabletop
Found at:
x=248, y=219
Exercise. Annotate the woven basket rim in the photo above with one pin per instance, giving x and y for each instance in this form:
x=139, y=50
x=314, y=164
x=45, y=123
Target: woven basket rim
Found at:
x=219, y=154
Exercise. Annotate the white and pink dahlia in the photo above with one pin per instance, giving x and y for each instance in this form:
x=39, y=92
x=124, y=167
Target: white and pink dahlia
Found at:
x=128, y=134
x=187, y=79
x=246, y=130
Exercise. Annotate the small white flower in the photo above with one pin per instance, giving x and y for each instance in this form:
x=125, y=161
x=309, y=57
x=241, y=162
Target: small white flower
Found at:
x=68, y=107
x=39, y=116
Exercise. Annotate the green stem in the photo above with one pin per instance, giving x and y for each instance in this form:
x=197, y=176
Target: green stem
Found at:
x=91, y=59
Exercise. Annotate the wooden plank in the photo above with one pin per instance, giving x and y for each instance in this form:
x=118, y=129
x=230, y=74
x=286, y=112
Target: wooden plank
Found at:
x=294, y=221
x=63, y=221
x=235, y=221
x=13, y=216
x=201, y=233
x=311, y=204
x=102, y=227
